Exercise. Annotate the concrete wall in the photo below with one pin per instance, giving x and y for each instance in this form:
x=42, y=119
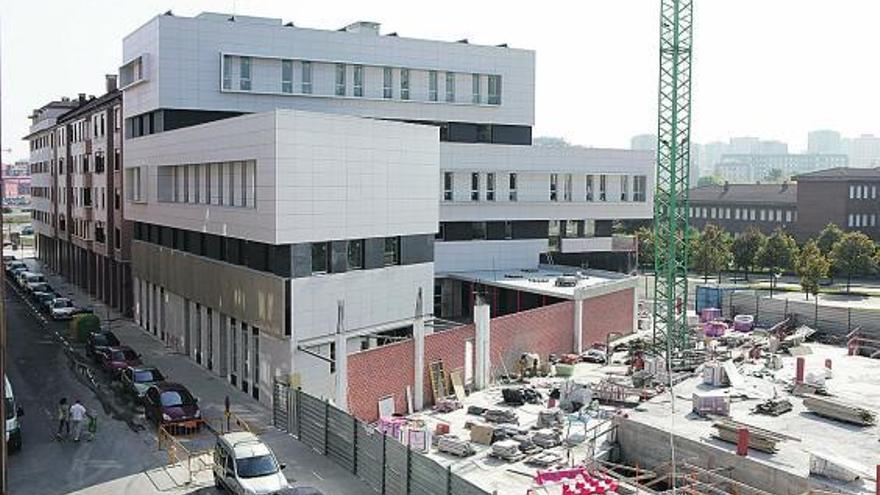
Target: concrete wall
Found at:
x=649, y=447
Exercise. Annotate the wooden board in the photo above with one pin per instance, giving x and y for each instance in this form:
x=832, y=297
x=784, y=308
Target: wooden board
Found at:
x=457, y=385
x=386, y=407
x=438, y=381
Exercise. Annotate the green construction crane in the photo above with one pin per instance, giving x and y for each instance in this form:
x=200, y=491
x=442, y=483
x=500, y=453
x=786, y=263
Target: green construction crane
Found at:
x=671, y=335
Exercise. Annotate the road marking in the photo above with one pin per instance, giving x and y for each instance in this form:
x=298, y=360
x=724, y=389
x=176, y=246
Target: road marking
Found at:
x=317, y=475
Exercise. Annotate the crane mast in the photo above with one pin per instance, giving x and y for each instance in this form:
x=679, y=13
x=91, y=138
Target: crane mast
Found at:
x=671, y=237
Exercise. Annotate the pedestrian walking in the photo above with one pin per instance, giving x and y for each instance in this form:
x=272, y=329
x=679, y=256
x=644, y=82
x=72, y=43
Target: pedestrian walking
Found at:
x=63, y=416
x=77, y=416
x=92, y=427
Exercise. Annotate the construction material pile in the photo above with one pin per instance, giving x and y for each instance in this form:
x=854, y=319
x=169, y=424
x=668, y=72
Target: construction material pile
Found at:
x=500, y=416
x=507, y=450
x=773, y=407
x=547, y=438
x=840, y=411
x=549, y=418
x=517, y=396
x=451, y=444
x=759, y=438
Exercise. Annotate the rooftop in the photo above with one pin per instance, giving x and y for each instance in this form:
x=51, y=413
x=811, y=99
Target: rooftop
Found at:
x=551, y=280
x=842, y=173
x=785, y=193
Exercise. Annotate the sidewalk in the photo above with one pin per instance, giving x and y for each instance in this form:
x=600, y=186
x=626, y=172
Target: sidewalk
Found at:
x=304, y=466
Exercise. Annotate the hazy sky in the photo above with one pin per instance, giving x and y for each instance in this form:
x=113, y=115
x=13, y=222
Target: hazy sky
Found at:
x=769, y=68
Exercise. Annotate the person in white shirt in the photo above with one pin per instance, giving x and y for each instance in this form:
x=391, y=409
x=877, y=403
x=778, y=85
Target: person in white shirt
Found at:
x=77, y=416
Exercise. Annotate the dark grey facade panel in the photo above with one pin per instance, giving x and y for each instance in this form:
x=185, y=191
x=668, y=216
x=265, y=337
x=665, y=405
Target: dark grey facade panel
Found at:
x=280, y=260
x=511, y=134
x=302, y=260
x=458, y=231
x=338, y=256
x=374, y=251
x=496, y=231
x=212, y=246
x=256, y=255
x=530, y=229
x=416, y=249
x=604, y=228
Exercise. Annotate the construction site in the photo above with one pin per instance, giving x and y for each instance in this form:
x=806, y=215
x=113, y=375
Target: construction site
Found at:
x=690, y=398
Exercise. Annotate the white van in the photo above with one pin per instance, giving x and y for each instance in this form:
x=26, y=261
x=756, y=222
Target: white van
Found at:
x=244, y=465
x=13, y=426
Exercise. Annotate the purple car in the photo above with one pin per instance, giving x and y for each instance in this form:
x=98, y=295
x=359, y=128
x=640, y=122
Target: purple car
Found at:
x=171, y=403
x=115, y=359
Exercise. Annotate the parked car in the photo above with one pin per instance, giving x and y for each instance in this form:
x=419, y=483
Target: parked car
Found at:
x=41, y=287
x=595, y=354
x=62, y=308
x=245, y=465
x=14, y=265
x=117, y=358
x=44, y=299
x=13, y=273
x=300, y=490
x=136, y=380
x=97, y=344
x=27, y=230
x=8, y=258
x=171, y=403
x=20, y=276
x=32, y=280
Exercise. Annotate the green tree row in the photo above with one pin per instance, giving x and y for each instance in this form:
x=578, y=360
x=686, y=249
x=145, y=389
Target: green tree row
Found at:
x=713, y=250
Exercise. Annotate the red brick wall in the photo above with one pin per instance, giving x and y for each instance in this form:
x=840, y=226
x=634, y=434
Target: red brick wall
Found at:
x=609, y=313
x=387, y=370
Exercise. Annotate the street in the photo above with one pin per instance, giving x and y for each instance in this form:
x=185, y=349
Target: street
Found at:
x=124, y=457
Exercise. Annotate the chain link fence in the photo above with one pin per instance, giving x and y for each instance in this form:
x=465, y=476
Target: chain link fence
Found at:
x=383, y=463
x=833, y=323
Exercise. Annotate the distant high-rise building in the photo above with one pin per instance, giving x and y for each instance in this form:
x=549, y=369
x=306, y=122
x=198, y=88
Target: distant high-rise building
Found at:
x=755, y=167
x=644, y=142
x=863, y=151
x=710, y=156
x=824, y=142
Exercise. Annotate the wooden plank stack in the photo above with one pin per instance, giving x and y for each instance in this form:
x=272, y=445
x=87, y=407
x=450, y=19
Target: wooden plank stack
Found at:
x=841, y=411
x=759, y=438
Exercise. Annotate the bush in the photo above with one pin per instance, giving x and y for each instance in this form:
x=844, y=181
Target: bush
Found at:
x=82, y=325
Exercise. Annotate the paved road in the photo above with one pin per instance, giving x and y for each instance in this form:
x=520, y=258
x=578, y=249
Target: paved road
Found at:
x=125, y=458
x=40, y=373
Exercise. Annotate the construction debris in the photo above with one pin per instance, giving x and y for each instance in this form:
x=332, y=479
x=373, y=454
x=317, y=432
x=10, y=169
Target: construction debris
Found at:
x=834, y=467
x=447, y=405
x=544, y=459
x=839, y=410
x=712, y=402
x=547, y=438
x=451, y=444
x=773, y=407
x=507, y=450
x=549, y=418
x=517, y=396
x=500, y=416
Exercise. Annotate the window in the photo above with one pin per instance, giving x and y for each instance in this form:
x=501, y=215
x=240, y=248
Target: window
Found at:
x=640, y=187
x=135, y=185
x=306, y=77
x=778, y=215
x=624, y=188
x=450, y=87
x=763, y=215
x=475, y=78
x=432, y=85
x=448, y=180
x=511, y=184
x=227, y=72
x=567, y=185
x=494, y=90
x=356, y=254
x=873, y=192
x=392, y=251
x=554, y=187
x=752, y=214
x=244, y=76
x=603, y=189
x=359, y=80
x=572, y=228
x=787, y=216
x=589, y=188
x=320, y=257
x=197, y=186
x=478, y=231
x=490, y=187
x=387, y=83
x=404, y=84
x=340, y=79
x=475, y=186
x=287, y=76
x=713, y=212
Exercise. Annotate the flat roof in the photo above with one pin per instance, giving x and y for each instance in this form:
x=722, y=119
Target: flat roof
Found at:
x=543, y=280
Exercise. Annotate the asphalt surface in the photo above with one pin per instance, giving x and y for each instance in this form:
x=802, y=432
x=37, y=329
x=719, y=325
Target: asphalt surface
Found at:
x=41, y=374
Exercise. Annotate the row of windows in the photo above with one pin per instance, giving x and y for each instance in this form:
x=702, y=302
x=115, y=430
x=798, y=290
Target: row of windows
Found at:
x=223, y=184
x=639, y=187
x=744, y=214
x=84, y=229
x=40, y=167
x=238, y=75
x=862, y=192
x=44, y=141
x=81, y=164
x=323, y=262
x=861, y=220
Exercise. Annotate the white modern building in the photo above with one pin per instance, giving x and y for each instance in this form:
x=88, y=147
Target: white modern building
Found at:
x=261, y=238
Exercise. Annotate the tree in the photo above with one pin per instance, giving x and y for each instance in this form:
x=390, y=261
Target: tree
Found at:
x=712, y=251
x=778, y=253
x=745, y=249
x=645, y=239
x=853, y=254
x=829, y=235
x=709, y=180
x=812, y=266
x=774, y=175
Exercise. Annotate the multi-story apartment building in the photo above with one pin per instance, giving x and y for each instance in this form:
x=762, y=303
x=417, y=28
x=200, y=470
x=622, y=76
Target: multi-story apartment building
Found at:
x=824, y=142
x=76, y=158
x=863, y=151
x=847, y=197
x=261, y=239
x=736, y=207
x=754, y=167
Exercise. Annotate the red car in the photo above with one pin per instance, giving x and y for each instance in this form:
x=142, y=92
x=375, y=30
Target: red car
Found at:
x=171, y=403
x=115, y=359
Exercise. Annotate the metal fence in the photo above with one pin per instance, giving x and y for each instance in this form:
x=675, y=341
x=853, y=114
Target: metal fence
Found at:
x=833, y=322
x=383, y=463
